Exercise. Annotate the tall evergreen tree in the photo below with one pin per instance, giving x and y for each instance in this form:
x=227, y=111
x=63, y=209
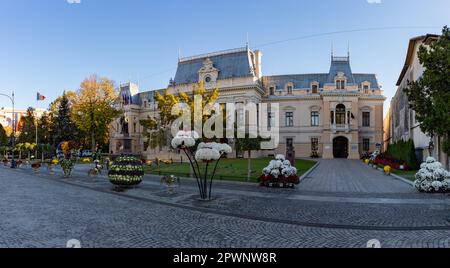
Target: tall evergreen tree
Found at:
x=429, y=96
x=65, y=130
x=45, y=129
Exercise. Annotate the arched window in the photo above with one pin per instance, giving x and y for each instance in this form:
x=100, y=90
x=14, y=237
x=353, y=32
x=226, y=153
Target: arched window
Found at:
x=340, y=114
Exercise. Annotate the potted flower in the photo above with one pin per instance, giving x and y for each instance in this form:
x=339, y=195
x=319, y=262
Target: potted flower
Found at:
x=279, y=173
x=36, y=166
x=387, y=170
x=67, y=167
x=171, y=182
x=432, y=177
x=126, y=171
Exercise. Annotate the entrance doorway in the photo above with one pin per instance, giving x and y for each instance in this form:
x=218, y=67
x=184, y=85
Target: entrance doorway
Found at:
x=340, y=147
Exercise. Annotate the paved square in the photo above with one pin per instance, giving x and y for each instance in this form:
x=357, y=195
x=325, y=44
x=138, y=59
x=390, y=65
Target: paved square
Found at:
x=41, y=210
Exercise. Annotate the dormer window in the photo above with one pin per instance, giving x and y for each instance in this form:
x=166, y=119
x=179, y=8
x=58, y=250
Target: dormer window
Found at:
x=271, y=91
x=366, y=87
x=289, y=89
x=208, y=79
x=340, y=84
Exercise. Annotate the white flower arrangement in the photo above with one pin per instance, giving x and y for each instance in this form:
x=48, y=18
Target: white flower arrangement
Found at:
x=432, y=177
x=185, y=138
x=280, y=166
x=221, y=147
x=207, y=154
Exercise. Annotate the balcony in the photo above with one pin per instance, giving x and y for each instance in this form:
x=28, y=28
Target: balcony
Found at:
x=335, y=128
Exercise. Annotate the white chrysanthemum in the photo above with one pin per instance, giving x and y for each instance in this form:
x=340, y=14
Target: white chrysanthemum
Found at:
x=207, y=154
x=184, y=138
x=287, y=163
x=430, y=160
x=437, y=185
x=221, y=147
x=280, y=157
x=275, y=173
x=267, y=171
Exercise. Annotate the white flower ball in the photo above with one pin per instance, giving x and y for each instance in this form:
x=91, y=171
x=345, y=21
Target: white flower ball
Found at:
x=437, y=185
x=287, y=163
x=280, y=157
x=430, y=160
x=207, y=154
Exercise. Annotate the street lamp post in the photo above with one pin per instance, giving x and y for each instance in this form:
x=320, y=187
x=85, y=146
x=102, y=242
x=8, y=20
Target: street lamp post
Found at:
x=13, y=161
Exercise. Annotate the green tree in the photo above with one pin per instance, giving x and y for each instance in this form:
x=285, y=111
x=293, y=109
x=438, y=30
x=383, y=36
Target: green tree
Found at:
x=65, y=129
x=94, y=109
x=28, y=127
x=45, y=128
x=3, y=136
x=157, y=130
x=429, y=96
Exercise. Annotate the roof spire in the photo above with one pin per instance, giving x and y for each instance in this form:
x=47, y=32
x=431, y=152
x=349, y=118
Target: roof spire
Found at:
x=332, y=50
x=348, y=50
x=247, y=42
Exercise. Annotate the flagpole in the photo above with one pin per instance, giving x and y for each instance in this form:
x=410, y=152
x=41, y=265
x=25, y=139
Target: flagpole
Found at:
x=36, y=118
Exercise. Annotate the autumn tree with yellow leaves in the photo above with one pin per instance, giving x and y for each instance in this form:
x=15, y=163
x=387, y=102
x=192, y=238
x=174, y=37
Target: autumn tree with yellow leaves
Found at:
x=94, y=109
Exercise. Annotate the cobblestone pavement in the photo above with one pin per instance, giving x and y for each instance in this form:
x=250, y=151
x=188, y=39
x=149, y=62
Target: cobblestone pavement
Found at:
x=42, y=210
x=342, y=175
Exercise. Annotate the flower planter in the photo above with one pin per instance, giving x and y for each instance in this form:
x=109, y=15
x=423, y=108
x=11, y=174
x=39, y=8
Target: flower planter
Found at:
x=126, y=171
x=67, y=167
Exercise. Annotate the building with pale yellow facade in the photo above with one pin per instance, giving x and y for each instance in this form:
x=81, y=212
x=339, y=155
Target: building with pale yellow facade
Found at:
x=335, y=114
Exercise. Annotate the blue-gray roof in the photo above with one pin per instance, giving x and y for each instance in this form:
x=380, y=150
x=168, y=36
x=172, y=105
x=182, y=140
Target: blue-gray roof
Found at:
x=234, y=63
x=303, y=81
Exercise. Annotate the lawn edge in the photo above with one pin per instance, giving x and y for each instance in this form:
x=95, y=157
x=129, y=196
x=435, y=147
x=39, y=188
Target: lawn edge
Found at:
x=310, y=170
x=402, y=179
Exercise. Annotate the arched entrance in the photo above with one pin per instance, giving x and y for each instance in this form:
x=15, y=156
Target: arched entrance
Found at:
x=340, y=147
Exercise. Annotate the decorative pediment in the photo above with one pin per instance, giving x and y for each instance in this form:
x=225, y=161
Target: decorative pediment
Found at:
x=208, y=67
x=315, y=108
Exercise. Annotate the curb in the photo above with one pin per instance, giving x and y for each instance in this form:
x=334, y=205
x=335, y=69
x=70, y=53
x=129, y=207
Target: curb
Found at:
x=309, y=171
x=402, y=179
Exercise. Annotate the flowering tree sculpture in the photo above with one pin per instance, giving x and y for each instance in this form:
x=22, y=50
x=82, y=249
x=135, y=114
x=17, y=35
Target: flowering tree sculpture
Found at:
x=279, y=173
x=432, y=178
x=209, y=153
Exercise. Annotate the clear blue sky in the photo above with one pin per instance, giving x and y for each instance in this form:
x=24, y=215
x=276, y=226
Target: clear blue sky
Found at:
x=51, y=45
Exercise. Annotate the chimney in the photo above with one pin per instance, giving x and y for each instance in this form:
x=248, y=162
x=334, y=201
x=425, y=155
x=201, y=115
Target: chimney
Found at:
x=258, y=70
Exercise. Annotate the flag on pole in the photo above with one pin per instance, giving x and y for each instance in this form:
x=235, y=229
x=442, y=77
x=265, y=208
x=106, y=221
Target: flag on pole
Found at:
x=40, y=97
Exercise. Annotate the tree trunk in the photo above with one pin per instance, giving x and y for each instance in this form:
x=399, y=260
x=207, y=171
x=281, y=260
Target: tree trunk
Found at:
x=93, y=141
x=249, y=166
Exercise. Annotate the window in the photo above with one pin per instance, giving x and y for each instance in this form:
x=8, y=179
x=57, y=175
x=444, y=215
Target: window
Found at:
x=289, y=90
x=366, y=145
x=208, y=79
x=332, y=117
x=314, y=119
x=289, y=144
x=289, y=119
x=366, y=89
x=366, y=119
x=315, y=89
x=272, y=91
x=340, y=84
x=340, y=114
x=314, y=144
x=270, y=119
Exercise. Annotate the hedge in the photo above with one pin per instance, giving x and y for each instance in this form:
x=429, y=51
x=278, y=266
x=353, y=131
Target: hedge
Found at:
x=404, y=151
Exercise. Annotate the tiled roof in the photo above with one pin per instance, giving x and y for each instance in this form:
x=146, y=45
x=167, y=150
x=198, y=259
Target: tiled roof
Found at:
x=303, y=81
x=231, y=63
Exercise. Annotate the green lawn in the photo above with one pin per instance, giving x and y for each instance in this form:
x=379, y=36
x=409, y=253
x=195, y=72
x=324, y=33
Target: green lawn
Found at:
x=229, y=169
x=409, y=175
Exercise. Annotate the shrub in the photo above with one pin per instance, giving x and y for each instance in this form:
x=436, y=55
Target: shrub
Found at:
x=404, y=153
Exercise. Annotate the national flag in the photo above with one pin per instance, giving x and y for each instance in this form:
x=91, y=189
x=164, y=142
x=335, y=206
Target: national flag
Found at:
x=40, y=97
